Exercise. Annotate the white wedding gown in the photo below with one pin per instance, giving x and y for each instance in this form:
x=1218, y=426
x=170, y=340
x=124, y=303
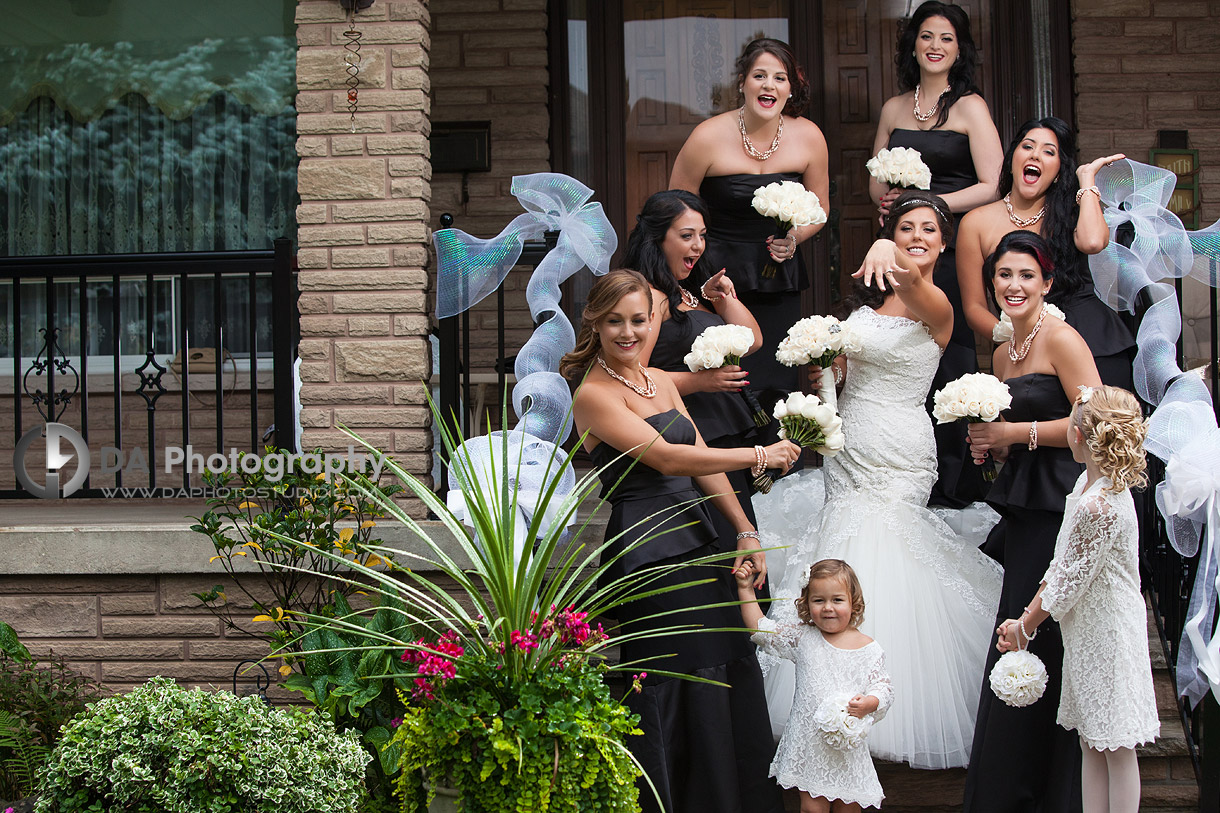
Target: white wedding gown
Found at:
x=930, y=594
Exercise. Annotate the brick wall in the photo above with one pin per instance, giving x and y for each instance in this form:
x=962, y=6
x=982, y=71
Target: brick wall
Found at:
x=363, y=229
x=489, y=63
x=1148, y=65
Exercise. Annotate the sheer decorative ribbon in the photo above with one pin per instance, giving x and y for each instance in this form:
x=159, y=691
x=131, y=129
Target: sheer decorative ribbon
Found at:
x=519, y=464
x=468, y=269
x=1182, y=430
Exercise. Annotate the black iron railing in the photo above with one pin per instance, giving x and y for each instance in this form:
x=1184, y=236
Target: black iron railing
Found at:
x=147, y=325
x=1169, y=578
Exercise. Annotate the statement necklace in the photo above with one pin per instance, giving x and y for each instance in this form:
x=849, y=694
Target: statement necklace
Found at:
x=1017, y=356
x=745, y=139
x=1022, y=222
x=688, y=299
x=649, y=390
x=925, y=116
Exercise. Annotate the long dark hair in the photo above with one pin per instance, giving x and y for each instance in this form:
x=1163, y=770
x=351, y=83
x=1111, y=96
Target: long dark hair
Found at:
x=644, y=252
x=1019, y=242
x=603, y=296
x=783, y=52
x=1058, y=225
x=961, y=73
x=860, y=295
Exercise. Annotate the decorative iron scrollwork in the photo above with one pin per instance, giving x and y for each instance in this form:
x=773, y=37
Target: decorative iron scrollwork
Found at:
x=51, y=405
x=150, y=381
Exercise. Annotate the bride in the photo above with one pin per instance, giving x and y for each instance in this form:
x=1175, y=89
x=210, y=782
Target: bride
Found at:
x=933, y=593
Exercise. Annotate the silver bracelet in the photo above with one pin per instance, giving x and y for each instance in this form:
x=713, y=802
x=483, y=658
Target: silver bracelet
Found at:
x=703, y=293
x=748, y=535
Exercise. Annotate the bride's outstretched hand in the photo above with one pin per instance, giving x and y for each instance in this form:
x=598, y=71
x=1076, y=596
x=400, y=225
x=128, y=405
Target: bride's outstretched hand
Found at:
x=881, y=258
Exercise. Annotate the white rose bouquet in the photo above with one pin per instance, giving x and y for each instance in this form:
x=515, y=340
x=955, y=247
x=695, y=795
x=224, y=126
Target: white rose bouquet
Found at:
x=818, y=340
x=1018, y=678
x=1002, y=332
x=720, y=345
x=975, y=397
x=789, y=204
x=900, y=166
x=838, y=729
x=806, y=421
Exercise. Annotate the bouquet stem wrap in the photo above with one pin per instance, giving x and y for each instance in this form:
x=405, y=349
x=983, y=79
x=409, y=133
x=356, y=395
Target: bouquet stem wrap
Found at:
x=1182, y=430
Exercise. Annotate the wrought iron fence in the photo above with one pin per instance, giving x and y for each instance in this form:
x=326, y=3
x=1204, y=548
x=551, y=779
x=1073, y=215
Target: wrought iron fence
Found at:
x=136, y=351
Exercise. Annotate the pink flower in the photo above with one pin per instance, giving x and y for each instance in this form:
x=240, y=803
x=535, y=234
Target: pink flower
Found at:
x=525, y=641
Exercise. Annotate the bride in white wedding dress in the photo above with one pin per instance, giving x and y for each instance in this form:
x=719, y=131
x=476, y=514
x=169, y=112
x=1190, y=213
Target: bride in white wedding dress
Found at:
x=933, y=594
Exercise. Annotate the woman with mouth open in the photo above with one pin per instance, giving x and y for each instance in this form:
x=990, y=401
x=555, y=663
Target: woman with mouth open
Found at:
x=941, y=114
x=666, y=247
x=706, y=747
x=1021, y=760
x=724, y=160
x=1043, y=191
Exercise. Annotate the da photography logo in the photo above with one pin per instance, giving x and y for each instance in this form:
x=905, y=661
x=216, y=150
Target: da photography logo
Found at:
x=58, y=436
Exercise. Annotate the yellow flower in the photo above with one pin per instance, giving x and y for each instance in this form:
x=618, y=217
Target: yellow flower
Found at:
x=214, y=558
x=280, y=615
x=285, y=670
x=346, y=534
x=373, y=560
x=254, y=545
x=368, y=523
x=247, y=504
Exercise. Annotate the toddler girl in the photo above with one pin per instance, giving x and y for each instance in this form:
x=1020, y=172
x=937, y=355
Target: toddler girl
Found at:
x=1092, y=588
x=841, y=688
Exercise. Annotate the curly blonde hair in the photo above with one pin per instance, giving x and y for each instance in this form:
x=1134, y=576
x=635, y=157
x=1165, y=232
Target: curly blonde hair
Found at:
x=1113, y=426
x=833, y=569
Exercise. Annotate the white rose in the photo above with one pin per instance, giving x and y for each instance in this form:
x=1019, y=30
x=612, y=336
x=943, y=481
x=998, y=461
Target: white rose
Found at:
x=780, y=411
x=796, y=400
x=834, y=442
x=810, y=410
x=989, y=410
x=824, y=415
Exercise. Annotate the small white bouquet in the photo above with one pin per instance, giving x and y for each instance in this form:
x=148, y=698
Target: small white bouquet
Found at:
x=1018, y=678
x=1002, y=332
x=720, y=345
x=900, y=166
x=838, y=729
x=818, y=340
x=806, y=421
x=975, y=397
x=789, y=204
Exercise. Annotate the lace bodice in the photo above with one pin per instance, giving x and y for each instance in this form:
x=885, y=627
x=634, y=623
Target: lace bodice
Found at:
x=1093, y=590
x=888, y=379
x=803, y=759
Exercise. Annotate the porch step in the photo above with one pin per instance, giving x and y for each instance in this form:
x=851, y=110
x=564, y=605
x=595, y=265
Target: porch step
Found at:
x=1166, y=772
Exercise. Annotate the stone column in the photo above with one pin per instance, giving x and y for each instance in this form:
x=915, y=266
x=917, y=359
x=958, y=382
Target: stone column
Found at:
x=363, y=232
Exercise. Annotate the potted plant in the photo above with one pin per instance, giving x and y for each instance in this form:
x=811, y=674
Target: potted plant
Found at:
x=505, y=697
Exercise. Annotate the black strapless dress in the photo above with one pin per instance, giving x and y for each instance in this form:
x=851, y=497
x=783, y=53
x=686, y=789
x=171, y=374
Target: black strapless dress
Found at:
x=1104, y=331
x=706, y=748
x=1021, y=760
x=947, y=153
x=723, y=418
x=737, y=241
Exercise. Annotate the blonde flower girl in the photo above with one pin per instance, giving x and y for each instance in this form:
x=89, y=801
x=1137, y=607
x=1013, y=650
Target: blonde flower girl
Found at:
x=1092, y=588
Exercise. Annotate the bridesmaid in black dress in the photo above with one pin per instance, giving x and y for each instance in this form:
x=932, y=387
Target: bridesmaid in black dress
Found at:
x=666, y=246
x=727, y=158
x=941, y=114
x=1021, y=759
x=706, y=747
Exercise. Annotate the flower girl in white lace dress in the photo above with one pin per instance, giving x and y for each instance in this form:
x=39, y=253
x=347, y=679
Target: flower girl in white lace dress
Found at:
x=1092, y=588
x=842, y=688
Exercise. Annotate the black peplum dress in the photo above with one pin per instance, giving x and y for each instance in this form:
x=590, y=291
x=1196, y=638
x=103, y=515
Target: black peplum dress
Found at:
x=706, y=748
x=723, y=418
x=947, y=153
x=1104, y=331
x=737, y=241
x=1021, y=759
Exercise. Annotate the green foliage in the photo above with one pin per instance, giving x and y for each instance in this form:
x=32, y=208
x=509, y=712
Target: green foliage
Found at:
x=10, y=645
x=356, y=686
x=253, y=514
x=35, y=701
x=163, y=749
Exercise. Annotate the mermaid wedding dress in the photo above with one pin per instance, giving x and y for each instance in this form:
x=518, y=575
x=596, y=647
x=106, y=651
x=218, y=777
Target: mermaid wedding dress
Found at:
x=930, y=594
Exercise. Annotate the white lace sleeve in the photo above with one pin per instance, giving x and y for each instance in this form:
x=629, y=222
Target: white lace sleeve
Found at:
x=880, y=687
x=1095, y=527
x=777, y=639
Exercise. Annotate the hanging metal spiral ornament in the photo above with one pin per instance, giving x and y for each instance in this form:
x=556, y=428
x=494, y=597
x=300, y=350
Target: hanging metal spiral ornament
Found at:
x=352, y=61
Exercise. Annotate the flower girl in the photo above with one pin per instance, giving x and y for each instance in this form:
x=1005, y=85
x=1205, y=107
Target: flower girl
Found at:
x=1092, y=588
x=842, y=688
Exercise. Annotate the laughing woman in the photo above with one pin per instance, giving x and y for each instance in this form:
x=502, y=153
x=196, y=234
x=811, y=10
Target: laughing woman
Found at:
x=1043, y=191
x=706, y=746
x=729, y=156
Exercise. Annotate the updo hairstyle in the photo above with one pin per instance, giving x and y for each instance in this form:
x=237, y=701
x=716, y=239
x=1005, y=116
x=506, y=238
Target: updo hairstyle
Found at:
x=1114, y=429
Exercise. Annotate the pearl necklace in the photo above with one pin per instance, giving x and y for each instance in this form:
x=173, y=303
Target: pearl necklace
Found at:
x=688, y=299
x=649, y=390
x=1022, y=222
x=925, y=116
x=1017, y=356
x=745, y=139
